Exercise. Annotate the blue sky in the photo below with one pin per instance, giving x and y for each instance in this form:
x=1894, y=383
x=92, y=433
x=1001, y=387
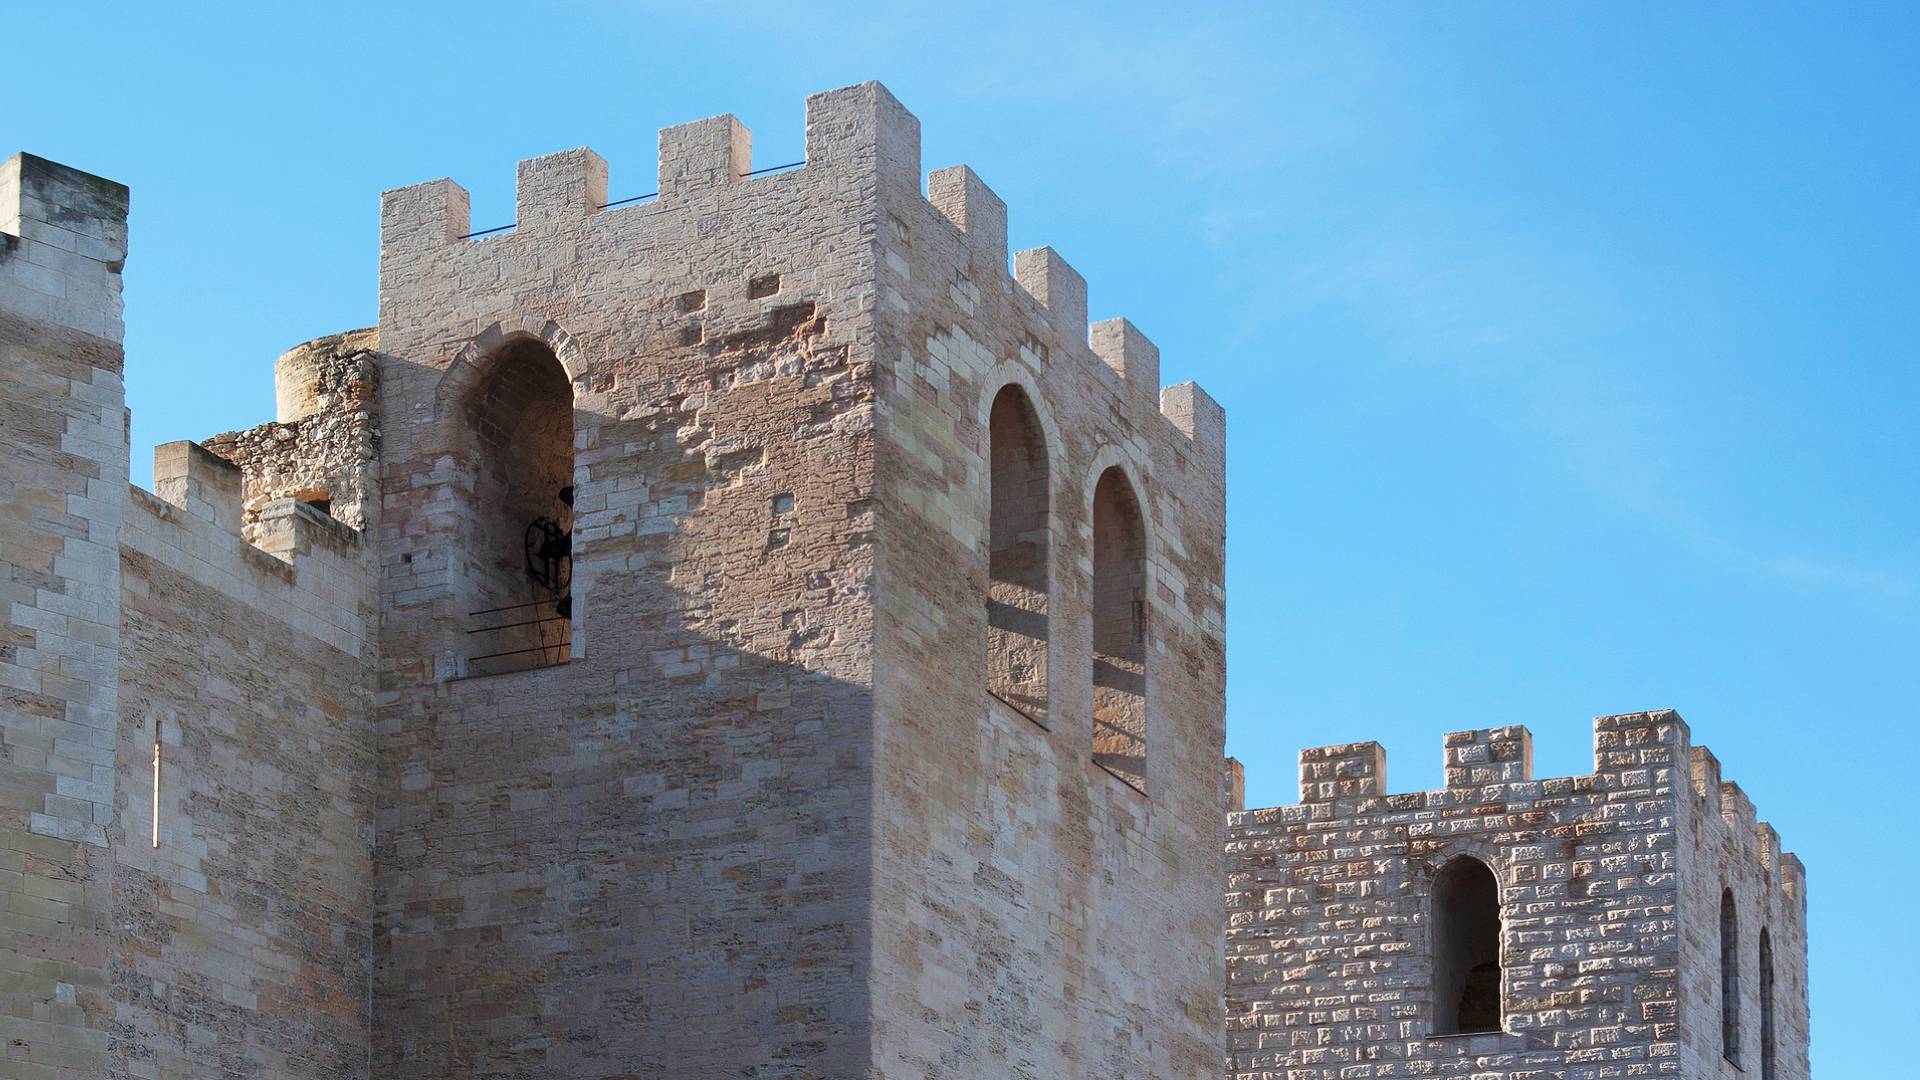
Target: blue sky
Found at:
x=1568, y=351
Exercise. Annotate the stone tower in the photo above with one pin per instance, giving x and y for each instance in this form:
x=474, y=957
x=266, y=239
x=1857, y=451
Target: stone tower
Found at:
x=886, y=711
x=741, y=631
x=1636, y=921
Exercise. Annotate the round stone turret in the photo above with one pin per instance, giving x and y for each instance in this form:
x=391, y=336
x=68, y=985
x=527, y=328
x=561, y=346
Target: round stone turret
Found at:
x=305, y=374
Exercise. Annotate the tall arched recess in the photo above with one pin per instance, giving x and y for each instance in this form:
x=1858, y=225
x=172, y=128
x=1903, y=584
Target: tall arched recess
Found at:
x=518, y=556
x=1766, y=1006
x=1018, y=530
x=1466, y=949
x=1119, y=630
x=1729, y=978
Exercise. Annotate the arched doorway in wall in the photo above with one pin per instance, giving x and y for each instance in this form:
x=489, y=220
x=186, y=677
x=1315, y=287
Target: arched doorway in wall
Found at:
x=518, y=551
x=1466, y=949
x=1119, y=630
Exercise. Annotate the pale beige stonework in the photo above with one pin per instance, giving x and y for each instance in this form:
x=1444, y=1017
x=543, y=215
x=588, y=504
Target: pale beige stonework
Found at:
x=1610, y=889
x=760, y=630
x=62, y=499
x=751, y=809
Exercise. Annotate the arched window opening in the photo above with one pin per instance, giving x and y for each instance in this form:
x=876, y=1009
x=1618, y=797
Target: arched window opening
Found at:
x=1466, y=949
x=1017, y=557
x=1729, y=979
x=519, y=552
x=1119, y=630
x=1766, y=1005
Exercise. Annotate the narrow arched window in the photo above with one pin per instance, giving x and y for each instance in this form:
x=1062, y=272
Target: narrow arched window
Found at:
x=1466, y=949
x=1017, y=554
x=1119, y=630
x=518, y=558
x=1729, y=978
x=1766, y=1005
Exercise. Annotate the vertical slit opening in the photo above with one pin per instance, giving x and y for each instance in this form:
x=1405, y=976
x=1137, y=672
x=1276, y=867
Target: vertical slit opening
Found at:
x=156, y=783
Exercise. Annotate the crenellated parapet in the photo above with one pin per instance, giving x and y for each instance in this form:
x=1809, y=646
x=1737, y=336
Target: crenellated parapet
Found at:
x=295, y=563
x=862, y=147
x=1632, y=750
x=1726, y=820
x=1057, y=294
x=195, y=480
x=860, y=134
x=1346, y=774
x=1488, y=756
x=980, y=215
x=1056, y=286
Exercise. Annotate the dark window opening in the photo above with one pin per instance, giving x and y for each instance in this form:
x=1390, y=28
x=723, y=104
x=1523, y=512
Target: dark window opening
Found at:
x=1119, y=630
x=1729, y=978
x=319, y=498
x=1466, y=949
x=519, y=553
x=1018, y=532
x=1766, y=1005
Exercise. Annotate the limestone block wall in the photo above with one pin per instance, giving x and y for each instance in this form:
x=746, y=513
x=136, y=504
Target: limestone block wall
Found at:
x=185, y=747
x=1330, y=963
x=242, y=896
x=63, y=475
x=653, y=857
x=1034, y=912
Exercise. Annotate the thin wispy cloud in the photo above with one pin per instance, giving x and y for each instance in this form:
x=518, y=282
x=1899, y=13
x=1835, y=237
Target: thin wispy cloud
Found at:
x=1517, y=328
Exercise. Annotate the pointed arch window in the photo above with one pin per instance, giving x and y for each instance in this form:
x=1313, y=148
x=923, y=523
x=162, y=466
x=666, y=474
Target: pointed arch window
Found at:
x=1466, y=949
x=1119, y=630
x=1018, y=532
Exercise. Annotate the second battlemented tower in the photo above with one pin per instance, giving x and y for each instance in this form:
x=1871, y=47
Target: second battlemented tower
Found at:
x=1634, y=921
